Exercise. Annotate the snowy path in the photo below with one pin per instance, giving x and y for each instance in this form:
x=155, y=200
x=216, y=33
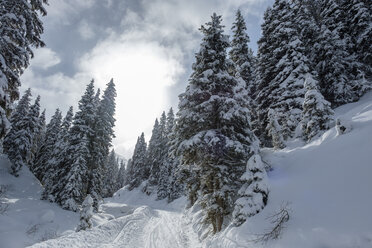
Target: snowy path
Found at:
x=145, y=227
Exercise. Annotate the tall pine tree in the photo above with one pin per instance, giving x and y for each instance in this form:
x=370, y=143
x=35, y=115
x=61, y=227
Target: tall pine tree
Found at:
x=77, y=178
x=213, y=129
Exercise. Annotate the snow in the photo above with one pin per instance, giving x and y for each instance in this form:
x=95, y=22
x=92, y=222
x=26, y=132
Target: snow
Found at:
x=327, y=184
x=135, y=225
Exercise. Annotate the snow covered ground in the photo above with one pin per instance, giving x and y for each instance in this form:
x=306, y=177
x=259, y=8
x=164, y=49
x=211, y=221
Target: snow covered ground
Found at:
x=27, y=219
x=144, y=223
x=327, y=184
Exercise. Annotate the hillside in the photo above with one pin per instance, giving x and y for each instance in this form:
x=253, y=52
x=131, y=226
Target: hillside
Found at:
x=326, y=183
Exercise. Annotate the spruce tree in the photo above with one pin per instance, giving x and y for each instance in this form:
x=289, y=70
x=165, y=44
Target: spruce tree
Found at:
x=77, y=178
x=40, y=165
x=317, y=112
x=253, y=195
x=32, y=129
x=241, y=54
x=86, y=214
x=20, y=112
x=19, y=147
x=152, y=158
x=340, y=76
x=281, y=83
x=57, y=164
x=121, y=175
x=275, y=130
x=100, y=140
x=213, y=132
x=157, y=153
x=138, y=164
x=39, y=137
x=128, y=173
x=110, y=175
x=163, y=181
x=20, y=30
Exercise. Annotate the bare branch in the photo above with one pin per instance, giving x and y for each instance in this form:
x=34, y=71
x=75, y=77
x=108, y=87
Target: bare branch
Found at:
x=279, y=220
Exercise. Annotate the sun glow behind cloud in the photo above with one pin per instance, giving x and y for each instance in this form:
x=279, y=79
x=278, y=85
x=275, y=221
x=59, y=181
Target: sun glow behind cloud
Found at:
x=142, y=71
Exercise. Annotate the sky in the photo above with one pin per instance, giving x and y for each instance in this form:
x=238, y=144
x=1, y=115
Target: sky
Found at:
x=146, y=46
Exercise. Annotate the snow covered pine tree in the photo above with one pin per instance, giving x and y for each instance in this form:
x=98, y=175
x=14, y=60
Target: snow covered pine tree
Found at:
x=86, y=214
x=317, y=113
x=20, y=30
x=213, y=132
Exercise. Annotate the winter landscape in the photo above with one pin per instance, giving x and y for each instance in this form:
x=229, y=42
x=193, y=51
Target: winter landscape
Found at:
x=189, y=124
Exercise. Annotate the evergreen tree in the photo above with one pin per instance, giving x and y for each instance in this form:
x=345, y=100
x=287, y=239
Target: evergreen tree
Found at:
x=111, y=175
x=157, y=153
x=76, y=179
x=213, y=134
x=360, y=13
x=275, y=130
x=19, y=148
x=128, y=173
x=241, y=54
x=20, y=30
x=340, y=77
x=20, y=112
x=40, y=166
x=152, y=158
x=281, y=84
x=163, y=181
x=317, y=112
x=57, y=164
x=174, y=186
x=86, y=214
x=138, y=164
x=39, y=138
x=33, y=127
x=100, y=140
x=253, y=195
x=121, y=175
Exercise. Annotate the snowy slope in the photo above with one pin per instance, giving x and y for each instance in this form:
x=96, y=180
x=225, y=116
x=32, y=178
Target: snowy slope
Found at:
x=28, y=219
x=328, y=185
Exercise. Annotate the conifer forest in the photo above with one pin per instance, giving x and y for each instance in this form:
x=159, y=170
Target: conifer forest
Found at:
x=263, y=148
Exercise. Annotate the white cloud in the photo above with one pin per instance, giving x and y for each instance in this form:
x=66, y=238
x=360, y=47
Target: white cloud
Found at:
x=85, y=30
x=45, y=58
x=61, y=11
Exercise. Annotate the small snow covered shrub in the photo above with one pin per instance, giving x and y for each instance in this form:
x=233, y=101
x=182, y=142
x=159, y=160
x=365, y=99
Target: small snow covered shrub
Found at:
x=86, y=214
x=343, y=126
x=253, y=195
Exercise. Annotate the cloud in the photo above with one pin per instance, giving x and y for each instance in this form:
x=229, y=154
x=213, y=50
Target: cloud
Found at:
x=85, y=30
x=62, y=11
x=45, y=58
